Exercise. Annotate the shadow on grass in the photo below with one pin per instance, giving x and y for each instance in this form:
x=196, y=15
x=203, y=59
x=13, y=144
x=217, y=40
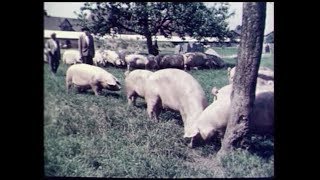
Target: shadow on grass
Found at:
x=262, y=146
x=112, y=94
x=168, y=114
x=89, y=92
x=141, y=105
x=259, y=145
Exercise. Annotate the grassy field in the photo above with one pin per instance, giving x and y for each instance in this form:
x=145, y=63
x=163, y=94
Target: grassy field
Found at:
x=89, y=136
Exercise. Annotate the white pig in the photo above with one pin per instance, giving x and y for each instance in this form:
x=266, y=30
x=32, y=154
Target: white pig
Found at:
x=215, y=117
x=71, y=57
x=135, y=84
x=177, y=90
x=86, y=76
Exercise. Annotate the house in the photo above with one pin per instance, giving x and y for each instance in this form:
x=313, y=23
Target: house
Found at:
x=268, y=41
x=57, y=24
x=61, y=24
x=269, y=38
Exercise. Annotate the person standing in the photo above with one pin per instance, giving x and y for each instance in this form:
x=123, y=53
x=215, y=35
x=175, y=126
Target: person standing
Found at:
x=267, y=49
x=53, y=51
x=86, y=47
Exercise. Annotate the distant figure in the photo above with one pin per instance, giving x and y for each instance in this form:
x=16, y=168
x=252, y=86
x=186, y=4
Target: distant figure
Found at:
x=86, y=47
x=178, y=49
x=53, y=49
x=267, y=48
x=190, y=47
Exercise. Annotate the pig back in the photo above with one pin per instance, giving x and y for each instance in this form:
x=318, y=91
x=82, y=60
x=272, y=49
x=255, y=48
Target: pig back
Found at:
x=177, y=89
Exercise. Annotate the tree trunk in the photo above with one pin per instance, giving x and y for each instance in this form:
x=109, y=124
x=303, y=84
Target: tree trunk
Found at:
x=149, y=44
x=244, y=83
x=147, y=32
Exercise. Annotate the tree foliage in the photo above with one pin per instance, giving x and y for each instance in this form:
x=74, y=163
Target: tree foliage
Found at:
x=153, y=18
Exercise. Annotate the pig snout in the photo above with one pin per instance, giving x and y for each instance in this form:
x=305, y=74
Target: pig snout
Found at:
x=115, y=87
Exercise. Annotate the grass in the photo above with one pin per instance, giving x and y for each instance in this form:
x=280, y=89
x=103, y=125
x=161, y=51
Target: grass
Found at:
x=89, y=136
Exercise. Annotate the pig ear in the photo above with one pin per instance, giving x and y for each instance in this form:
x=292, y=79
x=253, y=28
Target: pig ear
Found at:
x=118, y=82
x=191, y=132
x=114, y=82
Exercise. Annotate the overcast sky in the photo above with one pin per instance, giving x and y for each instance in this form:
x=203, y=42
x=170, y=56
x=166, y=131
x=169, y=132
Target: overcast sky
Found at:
x=66, y=9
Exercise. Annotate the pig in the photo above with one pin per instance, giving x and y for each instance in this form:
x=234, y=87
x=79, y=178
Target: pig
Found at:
x=213, y=61
x=201, y=60
x=98, y=59
x=152, y=63
x=136, y=61
x=177, y=90
x=71, y=57
x=135, y=84
x=194, y=59
x=113, y=58
x=170, y=61
x=213, y=120
x=122, y=54
x=86, y=76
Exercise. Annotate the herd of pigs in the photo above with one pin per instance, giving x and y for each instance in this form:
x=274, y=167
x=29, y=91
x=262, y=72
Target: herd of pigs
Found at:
x=177, y=90
x=171, y=87
x=124, y=58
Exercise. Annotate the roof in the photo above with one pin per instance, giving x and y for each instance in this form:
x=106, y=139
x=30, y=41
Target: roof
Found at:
x=236, y=31
x=53, y=23
x=270, y=33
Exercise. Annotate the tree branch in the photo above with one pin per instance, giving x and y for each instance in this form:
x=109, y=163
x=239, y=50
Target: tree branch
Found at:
x=129, y=29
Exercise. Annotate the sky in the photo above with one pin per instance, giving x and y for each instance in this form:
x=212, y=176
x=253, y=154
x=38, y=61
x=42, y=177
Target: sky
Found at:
x=66, y=9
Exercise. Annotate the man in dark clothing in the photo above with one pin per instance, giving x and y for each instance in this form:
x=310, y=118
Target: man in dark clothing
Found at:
x=53, y=49
x=86, y=47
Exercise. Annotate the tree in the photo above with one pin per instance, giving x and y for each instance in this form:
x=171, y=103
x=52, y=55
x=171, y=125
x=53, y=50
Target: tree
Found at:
x=244, y=83
x=151, y=18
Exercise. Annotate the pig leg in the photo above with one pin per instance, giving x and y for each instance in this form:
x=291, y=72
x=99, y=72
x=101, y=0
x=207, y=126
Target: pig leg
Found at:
x=68, y=84
x=192, y=143
x=185, y=67
x=99, y=89
x=131, y=98
x=153, y=107
x=196, y=141
x=95, y=89
x=79, y=89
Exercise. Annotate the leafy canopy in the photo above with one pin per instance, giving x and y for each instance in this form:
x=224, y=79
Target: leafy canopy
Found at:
x=157, y=18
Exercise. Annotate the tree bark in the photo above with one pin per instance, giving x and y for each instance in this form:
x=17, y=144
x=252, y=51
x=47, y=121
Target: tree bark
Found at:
x=244, y=83
x=149, y=44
